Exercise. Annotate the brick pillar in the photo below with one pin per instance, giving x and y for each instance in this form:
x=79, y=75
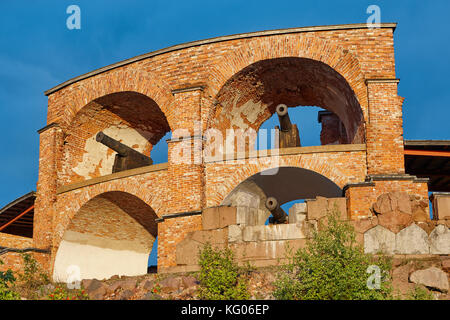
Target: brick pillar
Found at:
x=385, y=153
x=51, y=141
x=186, y=176
x=185, y=173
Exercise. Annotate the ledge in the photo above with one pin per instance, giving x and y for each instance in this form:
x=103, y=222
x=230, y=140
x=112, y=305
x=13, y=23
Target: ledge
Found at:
x=357, y=184
x=381, y=80
x=113, y=176
x=51, y=125
x=395, y=177
x=178, y=215
x=290, y=151
x=215, y=40
x=197, y=88
x=438, y=195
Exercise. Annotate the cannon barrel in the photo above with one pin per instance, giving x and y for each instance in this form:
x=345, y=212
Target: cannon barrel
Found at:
x=283, y=117
x=126, y=158
x=279, y=216
x=111, y=143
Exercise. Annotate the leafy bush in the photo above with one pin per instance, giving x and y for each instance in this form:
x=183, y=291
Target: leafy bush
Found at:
x=32, y=278
x=220, y=276
x=7, y=281
x=61, y=293
x=419, y=293
x=332, y=266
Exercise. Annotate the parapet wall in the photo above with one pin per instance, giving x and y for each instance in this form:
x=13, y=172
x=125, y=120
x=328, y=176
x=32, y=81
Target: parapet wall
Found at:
x=244, y=230
x=399, y=226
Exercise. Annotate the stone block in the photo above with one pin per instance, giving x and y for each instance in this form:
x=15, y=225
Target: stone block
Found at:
x=420, y=214
x=246, y=216
x=227, y=216
x=296, y=218
x=433, y=278
x=383, y=204
x=297, y=213
x=273, y=232
x=446, y=265
x=241, y=215
x=210, y=218
x=341, y=205
x=393, y=201
x=395, y=220
x=266, y=250
x=319, y=207
x=234, y=233
x=362, y=225
x=298, y=208
x=187, y=252
x=379, y=239
x=428, y=227
x=440, y=240
x=211, y=236
x=95, y=289
x=412, y=240
x=441, y=207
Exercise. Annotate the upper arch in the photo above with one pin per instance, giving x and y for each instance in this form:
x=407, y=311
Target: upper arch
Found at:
x=291, y=46
x=118, y=80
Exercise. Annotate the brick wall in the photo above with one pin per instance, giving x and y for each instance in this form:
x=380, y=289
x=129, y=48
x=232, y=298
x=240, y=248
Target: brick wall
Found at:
x=13, y=260
x=230, y=83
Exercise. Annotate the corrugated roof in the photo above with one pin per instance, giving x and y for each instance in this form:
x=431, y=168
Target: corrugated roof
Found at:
x=429, y=159
x=24, y=225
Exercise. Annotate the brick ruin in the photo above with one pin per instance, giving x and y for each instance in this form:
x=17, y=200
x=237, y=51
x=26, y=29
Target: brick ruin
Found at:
x=106, y=222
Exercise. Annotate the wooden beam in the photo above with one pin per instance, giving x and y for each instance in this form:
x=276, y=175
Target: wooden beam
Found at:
x=17, y=218
x=427, y=153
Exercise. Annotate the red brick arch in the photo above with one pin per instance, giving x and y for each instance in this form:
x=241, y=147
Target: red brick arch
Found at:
x=150, y=193
x=114, y=215
x=302, y=46
x=317, y=163
x=114, y=81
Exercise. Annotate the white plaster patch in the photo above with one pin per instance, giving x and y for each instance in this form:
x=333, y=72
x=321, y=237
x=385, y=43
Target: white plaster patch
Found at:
x=250, y=110
x=97, y=155
x=98, y=258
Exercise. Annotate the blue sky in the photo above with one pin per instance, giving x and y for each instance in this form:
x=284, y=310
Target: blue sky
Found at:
x=39, y=52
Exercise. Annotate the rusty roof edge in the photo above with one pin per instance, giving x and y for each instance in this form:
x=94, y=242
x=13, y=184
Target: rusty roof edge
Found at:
x=214, y=40
x=16, y=201
x=413, y=143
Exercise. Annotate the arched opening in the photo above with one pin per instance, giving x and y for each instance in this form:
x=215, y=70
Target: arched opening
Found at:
x=111, y=234
x=131, y=118
x=251, y=97
x=288, y=185
x=306, y=119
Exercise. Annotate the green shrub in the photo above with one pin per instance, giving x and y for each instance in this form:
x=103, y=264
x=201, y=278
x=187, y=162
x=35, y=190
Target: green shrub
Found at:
x=419, y=293
x=61, y=293
x=332, y=266
x=33, y=277
x=7, y=281
x=220, y=276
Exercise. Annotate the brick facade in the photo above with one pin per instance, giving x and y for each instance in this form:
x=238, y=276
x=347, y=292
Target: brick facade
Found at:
x=223, y=83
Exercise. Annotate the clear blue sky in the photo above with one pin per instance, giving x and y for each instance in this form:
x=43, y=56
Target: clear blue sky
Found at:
x=39, y=52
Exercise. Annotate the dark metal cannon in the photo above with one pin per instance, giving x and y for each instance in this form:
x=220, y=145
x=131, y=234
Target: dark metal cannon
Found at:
x=288, y=132
x=126, y=157
x=278, y=214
